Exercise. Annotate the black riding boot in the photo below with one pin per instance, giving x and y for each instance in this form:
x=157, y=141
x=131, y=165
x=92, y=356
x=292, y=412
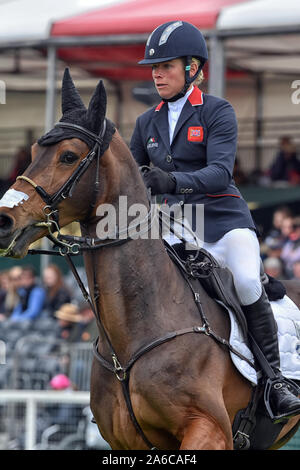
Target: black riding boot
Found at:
x=263, y=328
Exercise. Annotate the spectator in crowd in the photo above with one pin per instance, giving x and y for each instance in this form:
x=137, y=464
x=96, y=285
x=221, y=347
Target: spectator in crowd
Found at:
x=282, y=226
x=278, y=220
x=57, y=292
x=32, y=297
x=78, y=323
x=272, y=249
x=87, y=328
x=22, y=161
x=10, y=297
x=296, y=270
x=273, y=267
x=287, y=228
x=61, y=382
x=68, y=317
x=291, y=249
x=286, y=166
x=65, y=415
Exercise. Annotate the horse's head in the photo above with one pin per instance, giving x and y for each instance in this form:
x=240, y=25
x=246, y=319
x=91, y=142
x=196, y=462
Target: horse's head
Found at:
x=62, y=174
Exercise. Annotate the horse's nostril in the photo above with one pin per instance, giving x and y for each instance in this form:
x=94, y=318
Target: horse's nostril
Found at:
x=6, y=222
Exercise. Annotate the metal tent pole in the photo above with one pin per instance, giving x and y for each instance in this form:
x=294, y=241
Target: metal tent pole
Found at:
x=51, y=89
x=259, y=85
x=50, y=115
x=216, y=83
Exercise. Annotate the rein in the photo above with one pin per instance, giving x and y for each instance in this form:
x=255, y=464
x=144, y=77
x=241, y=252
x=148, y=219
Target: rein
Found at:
x=73, y=245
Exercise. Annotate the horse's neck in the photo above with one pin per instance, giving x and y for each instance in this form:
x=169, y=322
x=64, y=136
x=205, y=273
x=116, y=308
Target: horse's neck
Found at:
x=129, y=276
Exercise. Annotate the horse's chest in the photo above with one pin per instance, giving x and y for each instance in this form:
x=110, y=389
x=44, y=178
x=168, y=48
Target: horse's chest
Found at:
x=111, y=413
x=117, y=424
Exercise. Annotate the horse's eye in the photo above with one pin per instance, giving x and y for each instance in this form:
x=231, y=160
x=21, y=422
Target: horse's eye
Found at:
x=68, y=158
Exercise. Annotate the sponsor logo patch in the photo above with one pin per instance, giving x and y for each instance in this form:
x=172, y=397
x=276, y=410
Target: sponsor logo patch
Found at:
x=151, y=143
x=195, y=134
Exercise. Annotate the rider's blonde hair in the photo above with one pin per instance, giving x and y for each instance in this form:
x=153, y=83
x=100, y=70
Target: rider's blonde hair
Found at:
x=199, y=79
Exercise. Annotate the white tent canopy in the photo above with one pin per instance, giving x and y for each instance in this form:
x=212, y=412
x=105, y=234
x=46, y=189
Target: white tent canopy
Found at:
x=259, y=14
x=30, y=20
x=24, y=24
x=262, y=35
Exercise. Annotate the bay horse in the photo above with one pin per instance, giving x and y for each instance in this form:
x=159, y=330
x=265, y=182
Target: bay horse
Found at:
x=184, y=392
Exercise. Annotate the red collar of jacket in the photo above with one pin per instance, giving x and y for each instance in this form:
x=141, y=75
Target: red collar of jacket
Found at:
x=195, y=98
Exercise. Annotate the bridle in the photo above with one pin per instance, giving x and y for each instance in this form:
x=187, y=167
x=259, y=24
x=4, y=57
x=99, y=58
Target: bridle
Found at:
x=66, y=190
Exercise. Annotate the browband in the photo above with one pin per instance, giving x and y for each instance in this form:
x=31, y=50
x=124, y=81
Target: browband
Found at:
x=95, y=137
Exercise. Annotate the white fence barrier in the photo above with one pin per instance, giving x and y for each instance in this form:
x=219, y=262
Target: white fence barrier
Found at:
x=27, y=425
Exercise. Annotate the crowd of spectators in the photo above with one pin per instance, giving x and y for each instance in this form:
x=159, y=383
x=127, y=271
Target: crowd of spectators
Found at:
x=283, y=170
x=49, y=313
x=24, y=297
x=47, y=328
x=280, y=248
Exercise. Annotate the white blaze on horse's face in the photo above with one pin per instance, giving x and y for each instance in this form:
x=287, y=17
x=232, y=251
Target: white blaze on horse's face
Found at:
x=13, y=198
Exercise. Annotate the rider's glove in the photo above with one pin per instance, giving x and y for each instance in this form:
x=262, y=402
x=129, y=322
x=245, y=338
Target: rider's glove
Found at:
x=160, y=181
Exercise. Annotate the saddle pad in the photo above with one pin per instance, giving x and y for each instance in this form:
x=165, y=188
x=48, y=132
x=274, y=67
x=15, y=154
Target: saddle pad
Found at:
x=287, y=316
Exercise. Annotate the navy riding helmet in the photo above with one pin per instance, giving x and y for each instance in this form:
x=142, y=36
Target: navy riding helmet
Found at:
x=173, y=40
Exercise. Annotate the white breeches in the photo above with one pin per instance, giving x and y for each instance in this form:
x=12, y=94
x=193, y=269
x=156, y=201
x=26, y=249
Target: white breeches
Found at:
x=239, y=251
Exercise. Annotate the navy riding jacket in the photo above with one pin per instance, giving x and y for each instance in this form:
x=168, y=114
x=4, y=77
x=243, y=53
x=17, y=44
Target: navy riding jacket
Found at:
x=201, y=157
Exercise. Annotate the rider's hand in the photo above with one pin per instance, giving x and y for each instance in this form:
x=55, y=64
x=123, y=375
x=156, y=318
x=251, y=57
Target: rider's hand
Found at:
x=159, y=181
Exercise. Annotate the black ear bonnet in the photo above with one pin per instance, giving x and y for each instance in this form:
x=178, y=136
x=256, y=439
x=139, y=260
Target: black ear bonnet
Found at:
x=75, y=112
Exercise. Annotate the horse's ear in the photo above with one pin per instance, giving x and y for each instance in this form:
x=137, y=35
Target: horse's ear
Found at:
x=70, y=98
x=97, y=108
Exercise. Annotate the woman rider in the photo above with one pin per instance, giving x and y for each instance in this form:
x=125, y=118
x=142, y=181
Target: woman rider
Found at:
x=190, y=138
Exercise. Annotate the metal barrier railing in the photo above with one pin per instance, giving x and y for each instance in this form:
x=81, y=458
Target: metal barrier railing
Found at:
x=25, y=421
